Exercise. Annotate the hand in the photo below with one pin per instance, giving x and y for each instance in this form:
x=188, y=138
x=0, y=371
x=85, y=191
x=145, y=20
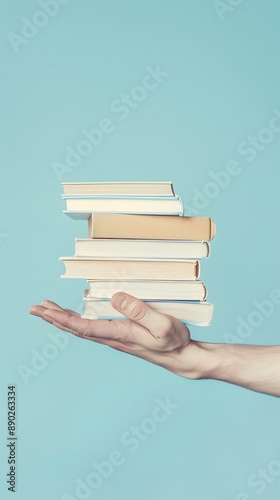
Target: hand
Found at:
x=158, y=338
x=165, y=341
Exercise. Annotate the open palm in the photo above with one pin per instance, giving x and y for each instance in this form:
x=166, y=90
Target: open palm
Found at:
x=146, y=333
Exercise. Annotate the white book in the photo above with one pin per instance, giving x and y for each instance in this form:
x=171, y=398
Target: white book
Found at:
x=119, y=188
x=148, y=290
x=191, y=313
x=128, y=248
x=82, y=207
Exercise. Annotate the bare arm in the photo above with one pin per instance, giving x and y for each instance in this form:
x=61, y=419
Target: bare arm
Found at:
x=165, y=341
x=255, y=367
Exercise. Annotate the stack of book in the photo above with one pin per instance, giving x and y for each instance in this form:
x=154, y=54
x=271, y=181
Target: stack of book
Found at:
x=139, y=243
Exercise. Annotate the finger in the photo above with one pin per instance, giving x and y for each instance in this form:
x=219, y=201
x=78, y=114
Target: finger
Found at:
x=52, y=305
x=72, y=312
x=37, y=311
x=86, y=328
x=140, y=312
x=114, y=344
x=100, y=329
x=40, y=312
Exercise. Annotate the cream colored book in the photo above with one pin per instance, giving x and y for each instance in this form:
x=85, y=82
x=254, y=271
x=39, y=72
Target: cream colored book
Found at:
x=77, y=207
x=119, y=188
x=133, y=269
x=155, y=249
x=191, y=313
x=162, y=227
x=148, y=290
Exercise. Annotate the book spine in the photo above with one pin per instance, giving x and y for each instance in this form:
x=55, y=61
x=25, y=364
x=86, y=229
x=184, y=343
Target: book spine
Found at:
x=90, y=226
x=205, y=292
x=197, y=269
x=181, y=211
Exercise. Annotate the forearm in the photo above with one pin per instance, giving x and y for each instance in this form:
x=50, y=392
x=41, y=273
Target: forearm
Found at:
x=165, y=341
x=250, y=366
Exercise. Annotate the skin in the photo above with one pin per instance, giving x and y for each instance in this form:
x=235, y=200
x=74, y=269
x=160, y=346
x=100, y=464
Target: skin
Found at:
x=165, y=341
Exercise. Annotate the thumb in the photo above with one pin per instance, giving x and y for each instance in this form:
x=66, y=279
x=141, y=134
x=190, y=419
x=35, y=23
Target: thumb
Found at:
x=137, y=310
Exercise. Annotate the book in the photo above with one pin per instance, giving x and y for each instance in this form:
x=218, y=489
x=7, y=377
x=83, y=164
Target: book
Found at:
x=161, y=227
x=85, y=205
x=119, y=188
x=148, y=290
x=133, y=269
x=139, y=242
x=192, y=313
x=156, y=249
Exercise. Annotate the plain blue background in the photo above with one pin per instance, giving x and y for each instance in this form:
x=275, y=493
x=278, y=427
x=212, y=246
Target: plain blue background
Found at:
x=221, y=88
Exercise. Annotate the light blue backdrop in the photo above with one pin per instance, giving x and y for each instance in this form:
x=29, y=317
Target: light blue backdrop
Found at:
x=214, y=106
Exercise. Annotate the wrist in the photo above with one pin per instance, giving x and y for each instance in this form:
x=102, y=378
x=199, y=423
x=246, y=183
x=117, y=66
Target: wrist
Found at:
x=198, y=360
x=250, y=366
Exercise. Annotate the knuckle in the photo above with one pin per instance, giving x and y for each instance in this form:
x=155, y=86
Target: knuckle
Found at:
x=83, y=330
x=118, y=335
x=167, y=327
x=136, y=311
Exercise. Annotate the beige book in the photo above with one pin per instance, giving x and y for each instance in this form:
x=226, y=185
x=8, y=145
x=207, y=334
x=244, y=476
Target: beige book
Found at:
x=195, y=314
x=119, y=188
x=160, y=227
x=133, y=269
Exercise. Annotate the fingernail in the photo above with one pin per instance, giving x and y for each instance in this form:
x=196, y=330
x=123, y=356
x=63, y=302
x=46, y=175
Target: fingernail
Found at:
x=120, y=301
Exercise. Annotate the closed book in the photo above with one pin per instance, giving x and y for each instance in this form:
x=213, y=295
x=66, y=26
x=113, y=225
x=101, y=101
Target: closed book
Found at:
x=148, y=290
x=83, y=206
x=162, y=227
x=156, y=249
x=133, y=269
x=191, y=313
x=119, y=188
